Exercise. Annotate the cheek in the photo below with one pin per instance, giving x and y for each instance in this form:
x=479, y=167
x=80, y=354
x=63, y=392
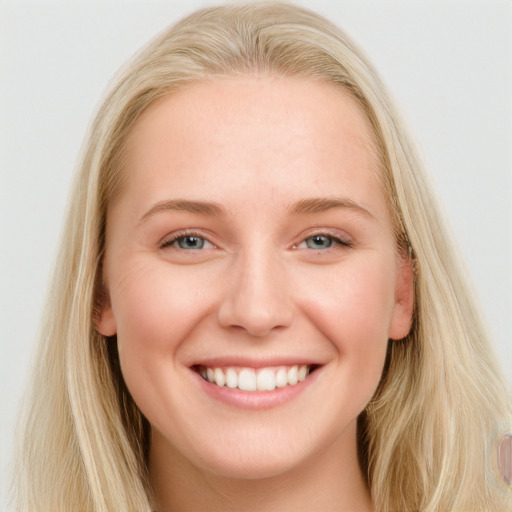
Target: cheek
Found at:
x=154, y=304
x=155, y=310
x=353, y=309
x=354, y=302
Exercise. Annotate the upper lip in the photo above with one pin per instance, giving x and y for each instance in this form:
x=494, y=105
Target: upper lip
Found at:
x=237, y=361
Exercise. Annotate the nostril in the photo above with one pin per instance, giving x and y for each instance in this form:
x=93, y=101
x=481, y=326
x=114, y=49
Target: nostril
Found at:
x=256, y=299
x=255, y=321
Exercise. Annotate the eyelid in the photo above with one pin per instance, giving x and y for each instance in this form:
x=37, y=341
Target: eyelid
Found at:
x=340, y=239
x=170, y=238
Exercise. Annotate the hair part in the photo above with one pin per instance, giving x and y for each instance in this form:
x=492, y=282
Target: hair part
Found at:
x=425, y=439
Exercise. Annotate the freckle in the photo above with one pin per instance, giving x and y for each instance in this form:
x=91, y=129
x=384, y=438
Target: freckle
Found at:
x=505, y=458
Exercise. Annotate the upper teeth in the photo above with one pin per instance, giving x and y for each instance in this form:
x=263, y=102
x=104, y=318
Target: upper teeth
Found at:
x=261, y=379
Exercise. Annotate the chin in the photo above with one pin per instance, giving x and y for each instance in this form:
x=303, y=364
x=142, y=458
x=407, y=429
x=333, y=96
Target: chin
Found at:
x=258, y=455
x=247, y=468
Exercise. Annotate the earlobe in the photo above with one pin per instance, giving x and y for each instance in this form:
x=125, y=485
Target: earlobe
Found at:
x=403, y=310
x=104, y=318
x=106, y=323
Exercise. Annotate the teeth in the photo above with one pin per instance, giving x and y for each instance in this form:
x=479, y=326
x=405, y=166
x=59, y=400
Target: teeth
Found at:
x=281, y=378
x=231, y=378
x=249, y=379
x=218, y=375
x=293, y=375
x=302, y=373
x=266, y=380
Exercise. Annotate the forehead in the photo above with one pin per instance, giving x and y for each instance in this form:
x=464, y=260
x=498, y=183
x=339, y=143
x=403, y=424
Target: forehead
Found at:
x=306, y=101
x=280, y=130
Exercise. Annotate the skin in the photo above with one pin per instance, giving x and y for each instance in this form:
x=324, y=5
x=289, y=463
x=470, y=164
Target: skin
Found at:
x=258, y=290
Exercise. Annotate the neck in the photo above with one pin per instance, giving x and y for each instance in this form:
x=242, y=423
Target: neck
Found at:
x=331, y=480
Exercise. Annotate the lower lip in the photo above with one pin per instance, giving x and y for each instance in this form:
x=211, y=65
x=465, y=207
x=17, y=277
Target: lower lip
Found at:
x=256, y=400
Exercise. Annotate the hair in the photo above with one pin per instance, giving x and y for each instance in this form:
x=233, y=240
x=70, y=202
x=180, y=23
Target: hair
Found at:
x=426, y=439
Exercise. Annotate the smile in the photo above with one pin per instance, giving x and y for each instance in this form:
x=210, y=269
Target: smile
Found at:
x=252, y=379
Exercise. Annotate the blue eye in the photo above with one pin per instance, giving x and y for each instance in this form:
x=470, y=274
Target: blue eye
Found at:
x=324, y=242
x=190, y=242
x=319, y=242
x=187, y=242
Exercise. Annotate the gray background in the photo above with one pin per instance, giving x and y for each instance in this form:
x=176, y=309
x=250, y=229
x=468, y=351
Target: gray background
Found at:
x=448, y=63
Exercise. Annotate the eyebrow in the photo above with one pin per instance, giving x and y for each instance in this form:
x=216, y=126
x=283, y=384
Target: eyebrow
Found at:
x=303, y=206
x=322, y=204
x=184, y=205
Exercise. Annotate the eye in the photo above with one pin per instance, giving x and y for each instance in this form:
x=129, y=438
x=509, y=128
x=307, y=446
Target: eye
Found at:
x=190, y=242
x=187, y=242
x=319, y=242
x=322, y=242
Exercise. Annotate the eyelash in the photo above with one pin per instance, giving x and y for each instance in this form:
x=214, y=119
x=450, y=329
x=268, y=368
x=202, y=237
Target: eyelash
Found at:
x=169, y=242
x=336, y=241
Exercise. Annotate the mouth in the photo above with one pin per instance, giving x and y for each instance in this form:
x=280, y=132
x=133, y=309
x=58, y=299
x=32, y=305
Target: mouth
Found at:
x=255, y=379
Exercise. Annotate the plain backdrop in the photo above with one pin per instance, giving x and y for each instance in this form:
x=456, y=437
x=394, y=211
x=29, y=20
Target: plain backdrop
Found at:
x=447, y=63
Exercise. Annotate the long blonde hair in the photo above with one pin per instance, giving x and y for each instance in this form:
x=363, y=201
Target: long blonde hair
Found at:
x=426, y=440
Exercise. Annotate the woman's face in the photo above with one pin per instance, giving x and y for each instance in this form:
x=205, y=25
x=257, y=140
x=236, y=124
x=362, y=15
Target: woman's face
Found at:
x=252, y=275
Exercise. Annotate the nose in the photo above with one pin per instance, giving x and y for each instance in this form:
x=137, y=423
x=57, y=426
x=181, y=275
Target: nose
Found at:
x=257, y=299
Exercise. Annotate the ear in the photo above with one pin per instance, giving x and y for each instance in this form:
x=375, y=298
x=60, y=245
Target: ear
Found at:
x=401, y=320
x=104, y=318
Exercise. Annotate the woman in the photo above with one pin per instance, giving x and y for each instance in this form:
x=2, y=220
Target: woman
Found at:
x=256, y=305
